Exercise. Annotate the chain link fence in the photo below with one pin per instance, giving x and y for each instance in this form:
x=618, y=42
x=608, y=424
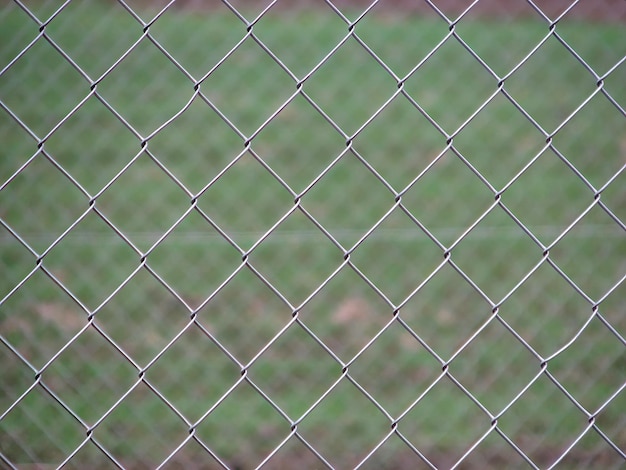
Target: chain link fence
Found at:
x=312, y=234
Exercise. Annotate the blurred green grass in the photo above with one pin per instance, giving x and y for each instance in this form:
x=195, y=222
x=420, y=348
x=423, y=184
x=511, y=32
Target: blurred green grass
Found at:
x=146, y=89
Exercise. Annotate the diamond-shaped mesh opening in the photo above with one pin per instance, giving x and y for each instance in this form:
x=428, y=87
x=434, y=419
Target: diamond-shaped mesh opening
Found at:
x=129, y=437
x=143, y=202
x=355, y=416
x=79, y=40
x=294, y=239
x=345, y=314
x=156, y=315
x=90, y=276
x=499, y=142
x=402, y=135
x=494, y=367
x=141, y=101
x=92, y=136
x=209, y=257
x=433, y=425
x=232, y=94
x=395, y=383
x=205, y=360
x=246, y=214
x=312, y=234
x=397, y=257
x=235, y=440
x=245, y=298
x=442, y=320
x=558, y=197
x=483, y=254
x=448, y=198
x=446, y=106
x=176, y=146
x=335, y=78
x=565, y=84
x=306, y=371
x=331, y=201
x=55, y=87
x=296, y=154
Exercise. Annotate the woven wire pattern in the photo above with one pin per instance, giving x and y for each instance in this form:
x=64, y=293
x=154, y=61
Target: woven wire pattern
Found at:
x=312, y=234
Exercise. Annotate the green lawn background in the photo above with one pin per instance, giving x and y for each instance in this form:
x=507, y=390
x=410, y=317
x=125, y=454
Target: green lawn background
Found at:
x=172, y=172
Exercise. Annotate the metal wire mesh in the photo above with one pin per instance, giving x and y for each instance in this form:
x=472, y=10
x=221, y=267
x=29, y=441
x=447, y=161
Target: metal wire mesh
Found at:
x=312, y=234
